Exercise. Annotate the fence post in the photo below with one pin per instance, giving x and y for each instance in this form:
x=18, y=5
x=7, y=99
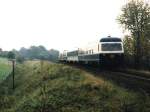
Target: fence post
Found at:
x=13, y=73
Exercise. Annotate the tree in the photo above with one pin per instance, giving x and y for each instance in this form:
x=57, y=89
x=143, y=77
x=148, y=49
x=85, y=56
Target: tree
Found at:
x=20, y=59
x=128, y=45
x=11, y=55
x=135, y=18
x=53, y=54
x=4, y=54
x=39, y=52
x=1, y=50
x=24, y=52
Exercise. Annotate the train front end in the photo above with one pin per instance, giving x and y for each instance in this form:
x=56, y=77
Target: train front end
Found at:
x=111, y=51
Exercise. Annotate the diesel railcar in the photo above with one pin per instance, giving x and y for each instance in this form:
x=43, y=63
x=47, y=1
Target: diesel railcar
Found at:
x=109, y=50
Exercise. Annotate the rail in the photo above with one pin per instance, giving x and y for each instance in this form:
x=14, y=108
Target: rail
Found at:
x=132, y=81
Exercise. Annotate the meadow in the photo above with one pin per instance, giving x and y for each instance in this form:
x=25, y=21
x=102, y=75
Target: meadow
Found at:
x=5, y=68
x=48, y=87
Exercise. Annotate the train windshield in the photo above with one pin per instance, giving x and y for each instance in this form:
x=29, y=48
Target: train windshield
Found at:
x=112, y=39
x=111, y=47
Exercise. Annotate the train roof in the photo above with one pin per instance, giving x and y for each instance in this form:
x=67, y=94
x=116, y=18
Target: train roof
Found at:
x=110, y=39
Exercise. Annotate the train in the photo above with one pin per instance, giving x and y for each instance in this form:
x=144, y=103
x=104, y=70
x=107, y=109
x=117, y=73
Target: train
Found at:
x=107, y=51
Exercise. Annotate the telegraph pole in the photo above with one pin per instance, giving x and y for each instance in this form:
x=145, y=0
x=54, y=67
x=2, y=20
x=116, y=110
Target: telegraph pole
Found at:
x=11, y=57
x=13, y=73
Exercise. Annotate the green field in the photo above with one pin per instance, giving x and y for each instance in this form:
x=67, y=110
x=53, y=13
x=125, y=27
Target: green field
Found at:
x=48, y=87
x=5, y=68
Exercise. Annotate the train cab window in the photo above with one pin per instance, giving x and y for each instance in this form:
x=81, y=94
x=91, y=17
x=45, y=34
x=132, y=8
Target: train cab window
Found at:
x=111, y=47
x=110, y=39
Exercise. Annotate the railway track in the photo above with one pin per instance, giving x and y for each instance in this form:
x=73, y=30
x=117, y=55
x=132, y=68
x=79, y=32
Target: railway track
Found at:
x=133, y=76
x=131, y=81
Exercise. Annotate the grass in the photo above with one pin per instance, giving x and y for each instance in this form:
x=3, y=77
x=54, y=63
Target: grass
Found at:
x=47, y=87
x=5, y=68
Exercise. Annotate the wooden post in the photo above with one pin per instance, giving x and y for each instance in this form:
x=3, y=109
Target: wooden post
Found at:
x=13, y=73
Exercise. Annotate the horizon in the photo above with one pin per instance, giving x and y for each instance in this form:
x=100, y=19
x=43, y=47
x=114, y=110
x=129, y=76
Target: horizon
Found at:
x=53, y=48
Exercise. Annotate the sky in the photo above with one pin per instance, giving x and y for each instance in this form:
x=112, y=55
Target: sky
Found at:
x=58, y=24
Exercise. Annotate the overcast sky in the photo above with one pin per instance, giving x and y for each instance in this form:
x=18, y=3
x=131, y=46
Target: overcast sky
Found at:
x=58, y=24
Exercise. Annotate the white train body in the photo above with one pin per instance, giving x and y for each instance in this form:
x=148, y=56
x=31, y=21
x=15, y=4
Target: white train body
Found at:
x=107, y=50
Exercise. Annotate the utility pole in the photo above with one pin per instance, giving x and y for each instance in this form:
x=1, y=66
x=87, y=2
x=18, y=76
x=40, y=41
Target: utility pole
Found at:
x=13, y=73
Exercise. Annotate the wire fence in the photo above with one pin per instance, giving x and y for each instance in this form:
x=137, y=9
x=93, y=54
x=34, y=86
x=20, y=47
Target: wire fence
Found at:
x=4, y=75
x=5, y=69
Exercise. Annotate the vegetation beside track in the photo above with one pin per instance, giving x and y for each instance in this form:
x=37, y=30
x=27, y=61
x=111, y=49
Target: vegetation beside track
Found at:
x=140, y=73
x=46, y=87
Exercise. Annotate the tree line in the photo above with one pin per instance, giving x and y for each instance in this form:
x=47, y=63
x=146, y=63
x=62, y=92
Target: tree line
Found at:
x=135, y=19
x=34, y=52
